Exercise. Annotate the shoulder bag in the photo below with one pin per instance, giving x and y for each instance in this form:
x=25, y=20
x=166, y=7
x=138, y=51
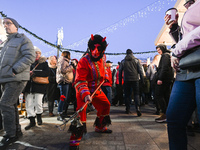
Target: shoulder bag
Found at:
x=41, y=80
x=191, y=59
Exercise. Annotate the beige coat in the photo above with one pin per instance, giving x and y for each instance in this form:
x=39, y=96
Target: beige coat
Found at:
x=64, y=72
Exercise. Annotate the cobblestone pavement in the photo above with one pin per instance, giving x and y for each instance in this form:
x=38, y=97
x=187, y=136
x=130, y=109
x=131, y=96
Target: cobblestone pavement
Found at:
x=129, y=133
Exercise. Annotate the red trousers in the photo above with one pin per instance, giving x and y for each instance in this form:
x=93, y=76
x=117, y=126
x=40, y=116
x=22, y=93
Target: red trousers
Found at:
x=102, y=105
x=99, y=101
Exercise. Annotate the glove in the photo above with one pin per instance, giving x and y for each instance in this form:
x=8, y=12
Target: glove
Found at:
x=73, y=65
x=14, y=72
x=159, y=82
x=88, y=98
x=175, y=63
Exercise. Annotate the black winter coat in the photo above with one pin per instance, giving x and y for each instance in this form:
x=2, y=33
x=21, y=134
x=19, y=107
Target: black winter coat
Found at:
x=42, y=70
x=53, y=92
x=132, y=68
x=165, y=71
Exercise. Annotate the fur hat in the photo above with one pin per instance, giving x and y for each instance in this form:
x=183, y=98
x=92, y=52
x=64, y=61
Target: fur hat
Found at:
x=13, y=21
x=102, y=44
x=97, y=39
x=37, y=49
x=129, y=51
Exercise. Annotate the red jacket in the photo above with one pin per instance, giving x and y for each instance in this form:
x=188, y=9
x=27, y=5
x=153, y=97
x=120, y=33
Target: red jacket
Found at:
x=117, y=76
x=89, y=75
x=109, y=82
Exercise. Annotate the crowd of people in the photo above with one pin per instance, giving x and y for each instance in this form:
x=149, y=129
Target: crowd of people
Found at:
x=173, y=90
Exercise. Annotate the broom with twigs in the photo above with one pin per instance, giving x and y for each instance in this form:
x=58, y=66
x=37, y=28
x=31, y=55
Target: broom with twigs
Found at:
x=74, y=117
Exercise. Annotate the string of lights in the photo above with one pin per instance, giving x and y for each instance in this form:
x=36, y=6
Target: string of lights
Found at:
x=156, y=6
x=144, y=12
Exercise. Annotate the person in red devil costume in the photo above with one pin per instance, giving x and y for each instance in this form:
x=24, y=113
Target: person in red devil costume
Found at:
x=89, y=74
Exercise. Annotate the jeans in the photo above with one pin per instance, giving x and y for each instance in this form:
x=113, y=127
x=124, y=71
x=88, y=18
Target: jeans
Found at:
x=129, y=87
x=64, y=90
x=108, y=92
x=181, y=105
x=8, y=106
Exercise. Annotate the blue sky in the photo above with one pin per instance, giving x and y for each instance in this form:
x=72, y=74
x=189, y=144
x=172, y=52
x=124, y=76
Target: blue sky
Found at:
x=132, y=24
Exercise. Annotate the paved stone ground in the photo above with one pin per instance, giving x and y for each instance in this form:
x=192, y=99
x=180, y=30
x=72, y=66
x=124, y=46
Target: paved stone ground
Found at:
x=129, y=133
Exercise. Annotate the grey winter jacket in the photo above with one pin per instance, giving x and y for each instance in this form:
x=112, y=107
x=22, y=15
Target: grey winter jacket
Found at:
x=16, y=56
x=132, y=68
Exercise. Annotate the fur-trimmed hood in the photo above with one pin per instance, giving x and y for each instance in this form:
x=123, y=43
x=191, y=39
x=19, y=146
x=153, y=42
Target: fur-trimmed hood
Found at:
x=42, y=59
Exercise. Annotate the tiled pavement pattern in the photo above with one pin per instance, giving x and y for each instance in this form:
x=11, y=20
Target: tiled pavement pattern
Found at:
x=129, y=133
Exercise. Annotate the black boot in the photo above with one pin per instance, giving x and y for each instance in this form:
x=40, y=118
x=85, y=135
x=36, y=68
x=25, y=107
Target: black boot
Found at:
x=19, y=133
x=31, y=124
x=39, y=119
x=137, y=107
x=64, y=115
x=138, y=111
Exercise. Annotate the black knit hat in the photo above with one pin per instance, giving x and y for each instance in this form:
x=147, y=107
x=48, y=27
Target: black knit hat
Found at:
x=13, y=21
x=108, y=61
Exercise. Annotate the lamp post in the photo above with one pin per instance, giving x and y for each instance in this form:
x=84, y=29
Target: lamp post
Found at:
x=58, y=49
x=59, y=40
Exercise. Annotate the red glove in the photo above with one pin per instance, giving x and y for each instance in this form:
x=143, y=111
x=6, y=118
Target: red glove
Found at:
x=62, y=98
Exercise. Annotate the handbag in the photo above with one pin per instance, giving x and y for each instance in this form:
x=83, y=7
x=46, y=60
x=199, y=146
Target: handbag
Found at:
x=41, y=80
x=191, y=59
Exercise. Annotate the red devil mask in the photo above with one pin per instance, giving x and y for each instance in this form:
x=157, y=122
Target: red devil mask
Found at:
x=97, y=45
x=96, y=52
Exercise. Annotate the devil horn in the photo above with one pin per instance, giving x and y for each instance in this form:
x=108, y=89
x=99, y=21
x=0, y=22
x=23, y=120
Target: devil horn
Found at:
x=92, y=37
x=103, y=39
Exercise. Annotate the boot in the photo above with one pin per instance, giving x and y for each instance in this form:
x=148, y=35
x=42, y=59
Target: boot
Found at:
x=76, y=134
x=138, y=111
x=59, y=118
x=6, y=140
x=101, y=123
x=64, y=115
x=39, y=119
x=19, y=134
x=162, y=118
x=31, y=124
x=137, y=107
